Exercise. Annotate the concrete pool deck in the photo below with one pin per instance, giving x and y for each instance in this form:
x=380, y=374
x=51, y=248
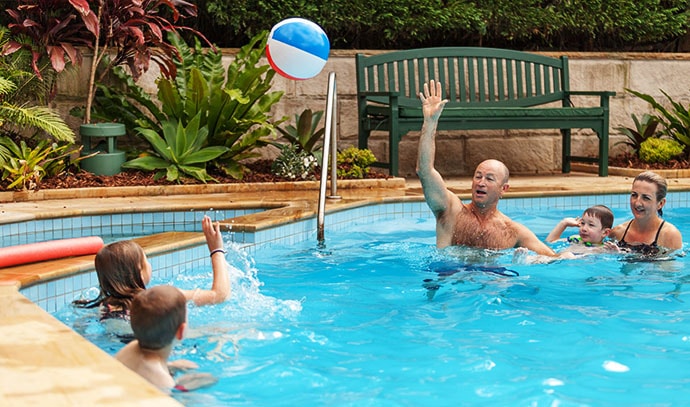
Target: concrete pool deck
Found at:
x=45, y=363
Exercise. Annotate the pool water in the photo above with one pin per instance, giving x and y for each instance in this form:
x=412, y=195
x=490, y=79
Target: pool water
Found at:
x=379, y=317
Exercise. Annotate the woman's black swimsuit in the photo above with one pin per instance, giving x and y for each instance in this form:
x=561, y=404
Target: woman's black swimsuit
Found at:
x=651, y=249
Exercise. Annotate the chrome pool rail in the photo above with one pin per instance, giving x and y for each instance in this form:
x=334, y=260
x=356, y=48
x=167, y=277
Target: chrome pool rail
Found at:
x=330, y=148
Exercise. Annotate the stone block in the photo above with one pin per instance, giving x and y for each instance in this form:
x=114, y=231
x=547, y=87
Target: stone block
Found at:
x=649, y=76
x=538, y=154
x=597, y=74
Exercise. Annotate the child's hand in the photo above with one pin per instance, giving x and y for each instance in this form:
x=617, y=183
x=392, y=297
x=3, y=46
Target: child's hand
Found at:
x=571, y=222
x=611, y=247
x=214, y=239
x=193, y=381
x=181, y=365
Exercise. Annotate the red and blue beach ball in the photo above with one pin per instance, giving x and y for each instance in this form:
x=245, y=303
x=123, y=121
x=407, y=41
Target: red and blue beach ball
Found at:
x=297, y=48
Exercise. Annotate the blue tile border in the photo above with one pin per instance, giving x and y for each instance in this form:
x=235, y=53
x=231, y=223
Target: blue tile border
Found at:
x=118, y=225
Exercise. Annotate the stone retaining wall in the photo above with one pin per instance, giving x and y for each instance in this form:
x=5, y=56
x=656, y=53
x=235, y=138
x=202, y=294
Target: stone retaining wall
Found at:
x=458, y=152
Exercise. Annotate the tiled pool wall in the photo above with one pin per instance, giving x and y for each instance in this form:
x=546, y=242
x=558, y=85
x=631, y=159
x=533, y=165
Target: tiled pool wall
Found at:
x=53, y=295
x=111, y=225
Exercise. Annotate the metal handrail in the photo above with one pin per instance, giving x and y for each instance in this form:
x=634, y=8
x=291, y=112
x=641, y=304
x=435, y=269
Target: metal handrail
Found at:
x=328, y=150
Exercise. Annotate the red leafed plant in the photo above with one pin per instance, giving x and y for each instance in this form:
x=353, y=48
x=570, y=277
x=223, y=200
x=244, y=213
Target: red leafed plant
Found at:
x=129, y=32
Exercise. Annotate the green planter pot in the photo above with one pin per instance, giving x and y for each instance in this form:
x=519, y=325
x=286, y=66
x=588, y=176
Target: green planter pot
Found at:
x=100, y=139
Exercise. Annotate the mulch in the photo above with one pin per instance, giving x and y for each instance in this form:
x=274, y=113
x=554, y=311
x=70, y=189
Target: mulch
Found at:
x=628, y=160
x=260, y=171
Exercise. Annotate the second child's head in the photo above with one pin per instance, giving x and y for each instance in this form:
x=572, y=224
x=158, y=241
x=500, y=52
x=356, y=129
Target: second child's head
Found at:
x=123, y=271
x=595, y=224
x=158, y=316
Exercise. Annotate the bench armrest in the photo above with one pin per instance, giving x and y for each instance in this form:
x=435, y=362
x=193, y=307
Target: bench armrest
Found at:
x=603, y=96
x=605, y=93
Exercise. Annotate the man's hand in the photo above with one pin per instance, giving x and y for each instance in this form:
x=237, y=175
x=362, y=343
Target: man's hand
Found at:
x=432, y=103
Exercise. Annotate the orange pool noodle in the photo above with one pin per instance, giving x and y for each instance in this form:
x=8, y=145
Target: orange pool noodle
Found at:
x=53, y=249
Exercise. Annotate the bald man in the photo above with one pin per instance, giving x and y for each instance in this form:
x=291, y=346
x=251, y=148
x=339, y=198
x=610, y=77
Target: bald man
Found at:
x=478, y=223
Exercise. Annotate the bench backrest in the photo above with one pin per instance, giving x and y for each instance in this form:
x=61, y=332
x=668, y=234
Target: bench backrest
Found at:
x=471, y=76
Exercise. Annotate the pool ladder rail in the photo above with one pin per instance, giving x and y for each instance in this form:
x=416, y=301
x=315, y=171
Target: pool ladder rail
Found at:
x=330, y=149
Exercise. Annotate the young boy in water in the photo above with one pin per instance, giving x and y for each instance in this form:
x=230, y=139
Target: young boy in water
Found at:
x=594, y=226
x=158, y=317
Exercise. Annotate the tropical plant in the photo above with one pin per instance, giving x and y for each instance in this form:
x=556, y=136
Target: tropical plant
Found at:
x=675, y=121
x=180, y=151
x=645, y=128
x=305, y=135
x=132, y=31
x=234, y=103
x=294, y=163
x=354, y=162
x=24, y=167
x=18, y=86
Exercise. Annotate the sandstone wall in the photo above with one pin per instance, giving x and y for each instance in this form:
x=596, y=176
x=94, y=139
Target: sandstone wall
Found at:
x=458, y=152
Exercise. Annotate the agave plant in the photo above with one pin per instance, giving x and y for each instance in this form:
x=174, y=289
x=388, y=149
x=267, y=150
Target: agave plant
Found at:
x=180, y=151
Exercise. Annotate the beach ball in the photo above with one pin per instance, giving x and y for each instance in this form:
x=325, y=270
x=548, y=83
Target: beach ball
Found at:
x=297, y=48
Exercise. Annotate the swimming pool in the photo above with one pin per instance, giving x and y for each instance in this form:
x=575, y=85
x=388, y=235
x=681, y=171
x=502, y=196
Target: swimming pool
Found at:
x=353, y=323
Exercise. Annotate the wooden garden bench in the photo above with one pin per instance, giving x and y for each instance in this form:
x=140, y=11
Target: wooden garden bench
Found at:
x=487, y=89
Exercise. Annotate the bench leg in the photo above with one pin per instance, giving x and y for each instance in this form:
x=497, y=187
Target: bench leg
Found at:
x=393, y=148
x=566, y=150
x=604, y=151
x=393, y=151
x=363, y=138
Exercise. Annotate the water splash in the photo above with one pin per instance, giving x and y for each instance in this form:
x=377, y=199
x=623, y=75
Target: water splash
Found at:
x=246, y=304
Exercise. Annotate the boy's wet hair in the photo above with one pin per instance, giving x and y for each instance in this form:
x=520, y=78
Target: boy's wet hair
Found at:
x=156, y=315
x=603, y=213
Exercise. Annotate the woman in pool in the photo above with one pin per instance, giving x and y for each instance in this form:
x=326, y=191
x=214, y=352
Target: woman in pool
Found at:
x=647, y=233
x=123, y=271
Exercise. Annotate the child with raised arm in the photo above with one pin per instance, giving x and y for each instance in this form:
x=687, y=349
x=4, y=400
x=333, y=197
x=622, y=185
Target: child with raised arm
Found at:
x=159, y=316
x=594, y=226
x=123, y=271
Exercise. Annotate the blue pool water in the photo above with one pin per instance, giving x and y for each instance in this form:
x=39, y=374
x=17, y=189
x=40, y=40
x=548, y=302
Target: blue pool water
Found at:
x=355, y=324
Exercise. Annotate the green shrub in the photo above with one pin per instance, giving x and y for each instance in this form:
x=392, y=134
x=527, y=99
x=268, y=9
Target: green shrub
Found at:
x=521, y=24
x=354, y=162
x=659, y=150
x=294, y=163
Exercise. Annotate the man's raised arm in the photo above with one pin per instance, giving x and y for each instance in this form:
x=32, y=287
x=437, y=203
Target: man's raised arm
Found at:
x=434, y=187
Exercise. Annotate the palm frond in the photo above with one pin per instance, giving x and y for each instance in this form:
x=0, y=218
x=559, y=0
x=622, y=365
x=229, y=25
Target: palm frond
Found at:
x=39, y=117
